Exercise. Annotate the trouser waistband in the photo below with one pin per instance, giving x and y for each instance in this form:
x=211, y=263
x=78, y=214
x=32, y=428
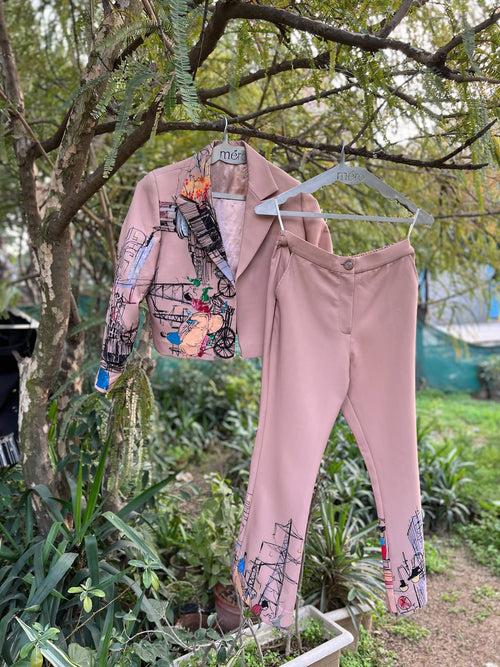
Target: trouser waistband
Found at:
x=345, y=264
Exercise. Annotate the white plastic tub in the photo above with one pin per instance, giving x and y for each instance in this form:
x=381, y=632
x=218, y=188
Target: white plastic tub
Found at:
x=324, y=655
x=341, y=617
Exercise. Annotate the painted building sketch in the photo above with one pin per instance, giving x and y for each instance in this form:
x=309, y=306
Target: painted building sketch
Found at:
x=261, y=580
x=411, y=572
x=197, y=312
x=133, y=254
x=205, y=241
x=238, y=563
x=386, y=566
x=407, y=590
x=118, y=338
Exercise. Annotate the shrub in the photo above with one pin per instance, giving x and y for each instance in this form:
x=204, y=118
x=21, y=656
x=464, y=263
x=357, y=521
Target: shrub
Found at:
x=211, y=535
x=368, y=653
x=340, y=569
x=483, y=538
x=489, y=375
x=443, y=476
x=343, y=475
x=200, y=405
x=79, y=594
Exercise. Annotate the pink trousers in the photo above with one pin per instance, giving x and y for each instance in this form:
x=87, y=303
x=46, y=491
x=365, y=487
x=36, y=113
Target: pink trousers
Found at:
x=340, y=335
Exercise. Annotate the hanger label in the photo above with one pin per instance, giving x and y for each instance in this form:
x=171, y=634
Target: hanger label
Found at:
x=348, y=176
x=229, y=154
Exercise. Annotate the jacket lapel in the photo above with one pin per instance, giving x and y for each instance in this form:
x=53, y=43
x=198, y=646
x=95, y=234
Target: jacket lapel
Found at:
x=261, y=185
x=194, y=202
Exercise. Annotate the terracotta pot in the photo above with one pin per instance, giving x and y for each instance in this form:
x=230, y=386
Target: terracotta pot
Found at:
x=192, y=621
x=228, y=612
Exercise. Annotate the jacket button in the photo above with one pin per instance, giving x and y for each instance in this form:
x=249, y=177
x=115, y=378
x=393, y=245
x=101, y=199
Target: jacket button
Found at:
x=348, y=264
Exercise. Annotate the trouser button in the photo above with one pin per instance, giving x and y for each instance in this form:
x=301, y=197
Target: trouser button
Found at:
x=348, y=264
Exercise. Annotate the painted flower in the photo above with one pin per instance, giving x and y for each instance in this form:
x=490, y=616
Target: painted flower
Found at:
x=196, y=188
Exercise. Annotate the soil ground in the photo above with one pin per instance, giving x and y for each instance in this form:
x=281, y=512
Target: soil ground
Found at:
x=459, y=627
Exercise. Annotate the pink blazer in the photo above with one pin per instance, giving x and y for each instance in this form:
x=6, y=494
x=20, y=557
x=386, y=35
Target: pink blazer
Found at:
x=202, y=263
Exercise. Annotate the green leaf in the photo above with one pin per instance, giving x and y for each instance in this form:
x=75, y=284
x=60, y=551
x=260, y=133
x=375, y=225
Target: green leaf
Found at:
x=95, y=489
x=106, y=637
x=185, y=84
x=77, y=496
x=134, y=537
x=92, y=552
x=143, y=498
x=50, y=652
x=50, y=539
x=36, y=658
x=54, y=576
x=84, y=657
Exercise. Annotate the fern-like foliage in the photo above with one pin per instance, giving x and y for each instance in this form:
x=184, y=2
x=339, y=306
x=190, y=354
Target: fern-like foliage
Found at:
x=135, y=28
x=184, y=80
x=137, y=76
x=133, y=403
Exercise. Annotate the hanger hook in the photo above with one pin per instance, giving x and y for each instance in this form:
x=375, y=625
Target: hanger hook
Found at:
x=414, y=222
x=225, y=130
x=342, y=152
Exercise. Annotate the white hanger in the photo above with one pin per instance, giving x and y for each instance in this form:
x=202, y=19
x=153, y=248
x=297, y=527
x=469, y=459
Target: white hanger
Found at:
x=344, y=173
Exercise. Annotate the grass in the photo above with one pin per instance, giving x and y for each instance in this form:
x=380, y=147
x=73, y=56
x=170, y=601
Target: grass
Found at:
x=369, y=653
x=451, y=597
x=474, y=426
x=435, y=560
x=482, y=593
x=483, y=539
x=408, y=630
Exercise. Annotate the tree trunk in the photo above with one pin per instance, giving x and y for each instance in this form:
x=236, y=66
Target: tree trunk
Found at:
x=40, y=373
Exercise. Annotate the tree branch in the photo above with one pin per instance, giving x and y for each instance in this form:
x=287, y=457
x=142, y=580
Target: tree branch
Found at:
x=320, y=61
x=289, y=105
x=210, y=37
x=442, y=53
x=391, y=24
x=53, y=142
x=364, y=41
x=96, y=180
x=22, y=141
x=79, y=132
x=142, y=133
x=466, y=143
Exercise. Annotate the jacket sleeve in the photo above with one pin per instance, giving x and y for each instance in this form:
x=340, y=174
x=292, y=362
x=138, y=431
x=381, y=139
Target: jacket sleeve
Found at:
x=316, y=229
x=137, y=256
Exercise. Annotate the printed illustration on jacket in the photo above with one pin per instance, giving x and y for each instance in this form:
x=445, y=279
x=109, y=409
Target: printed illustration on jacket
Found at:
x=194, y=204
x=408, y=590
x=198, y=320
x=260, y=581
x=119, y=337
x=198, y=309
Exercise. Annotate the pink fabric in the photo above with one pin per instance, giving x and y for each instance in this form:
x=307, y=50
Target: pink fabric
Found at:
x=172, y=254
x=339, y=335
x=230, y=215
